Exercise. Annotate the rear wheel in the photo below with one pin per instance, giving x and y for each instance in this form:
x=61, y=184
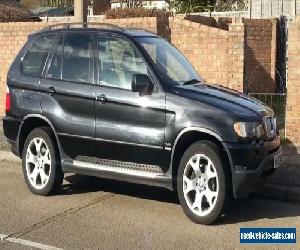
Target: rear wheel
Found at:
x=40, y=160
x=201, y=183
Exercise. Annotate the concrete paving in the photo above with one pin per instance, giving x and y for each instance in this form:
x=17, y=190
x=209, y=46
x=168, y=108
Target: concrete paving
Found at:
x=95, y=213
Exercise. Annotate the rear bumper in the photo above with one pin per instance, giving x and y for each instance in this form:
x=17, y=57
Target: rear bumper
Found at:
x=14, y=148
x=11, y=128
x=252, y=165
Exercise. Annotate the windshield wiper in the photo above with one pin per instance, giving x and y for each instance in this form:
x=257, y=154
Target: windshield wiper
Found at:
x=189, y=82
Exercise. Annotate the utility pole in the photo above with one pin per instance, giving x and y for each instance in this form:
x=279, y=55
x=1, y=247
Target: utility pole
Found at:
x=80, y=11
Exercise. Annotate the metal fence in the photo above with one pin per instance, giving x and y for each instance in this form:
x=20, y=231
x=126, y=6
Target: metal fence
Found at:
x=278, y=103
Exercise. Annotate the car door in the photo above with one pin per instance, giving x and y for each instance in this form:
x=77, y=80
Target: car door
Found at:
x=129, y=127
x=25, y=77
x=67, y=88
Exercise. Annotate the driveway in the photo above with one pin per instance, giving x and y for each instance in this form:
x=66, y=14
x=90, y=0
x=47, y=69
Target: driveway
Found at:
x=96, y=213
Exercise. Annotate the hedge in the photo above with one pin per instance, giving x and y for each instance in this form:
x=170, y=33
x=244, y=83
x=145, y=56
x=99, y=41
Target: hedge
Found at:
x=11, y=11
x=134, y=12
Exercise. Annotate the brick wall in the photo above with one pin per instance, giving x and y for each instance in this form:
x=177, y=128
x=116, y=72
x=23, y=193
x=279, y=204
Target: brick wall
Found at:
x=12, y=38
x=211, y=50
x=293, y=85
x=220, y=55
x=215, y=53
x=14, y=35
x=236, y=54
x=260, y=49
x=149, y=23
x=260, y=55
x=208, y=21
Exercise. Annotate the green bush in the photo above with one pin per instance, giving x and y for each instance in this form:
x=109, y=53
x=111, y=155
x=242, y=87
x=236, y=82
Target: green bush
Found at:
x=191, y=6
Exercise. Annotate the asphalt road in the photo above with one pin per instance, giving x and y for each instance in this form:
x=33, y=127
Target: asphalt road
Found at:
x=96, y=213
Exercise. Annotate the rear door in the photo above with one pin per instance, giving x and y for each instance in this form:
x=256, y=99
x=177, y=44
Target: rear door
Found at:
x=67, y=89
x=129, y=127
x=24, y=77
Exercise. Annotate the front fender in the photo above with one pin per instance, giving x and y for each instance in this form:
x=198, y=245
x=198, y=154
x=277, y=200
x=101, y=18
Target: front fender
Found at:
x=202, y=131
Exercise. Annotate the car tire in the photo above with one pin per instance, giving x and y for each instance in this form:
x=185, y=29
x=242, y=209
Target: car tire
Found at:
x=201, y=183
x=41, y=162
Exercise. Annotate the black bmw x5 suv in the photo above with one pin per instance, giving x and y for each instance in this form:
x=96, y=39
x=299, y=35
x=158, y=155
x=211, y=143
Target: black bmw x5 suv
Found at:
x=125, y=104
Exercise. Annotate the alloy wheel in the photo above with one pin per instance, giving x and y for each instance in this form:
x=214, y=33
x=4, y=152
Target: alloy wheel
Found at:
x=200, y=185
x=38, y=163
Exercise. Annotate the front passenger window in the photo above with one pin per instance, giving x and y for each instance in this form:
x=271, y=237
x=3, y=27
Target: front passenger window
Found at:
x=118, y=62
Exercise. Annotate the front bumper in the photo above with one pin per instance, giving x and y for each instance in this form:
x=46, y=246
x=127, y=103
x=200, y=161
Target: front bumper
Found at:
x=252, y=165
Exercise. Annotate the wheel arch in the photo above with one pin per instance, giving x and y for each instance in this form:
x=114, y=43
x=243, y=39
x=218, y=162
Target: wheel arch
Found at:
x=187, y=137
x=31, y=122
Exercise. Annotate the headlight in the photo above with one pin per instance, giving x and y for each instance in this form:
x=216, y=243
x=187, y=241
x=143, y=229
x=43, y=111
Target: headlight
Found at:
x=249, y=129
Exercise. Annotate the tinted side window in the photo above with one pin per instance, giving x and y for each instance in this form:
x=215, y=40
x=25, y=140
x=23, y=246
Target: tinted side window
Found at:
x=77, y=59
x=36, y=56
x=54, y=70
x=118, y=62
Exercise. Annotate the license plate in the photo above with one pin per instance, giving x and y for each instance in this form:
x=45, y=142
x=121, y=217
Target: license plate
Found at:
x=277, y=160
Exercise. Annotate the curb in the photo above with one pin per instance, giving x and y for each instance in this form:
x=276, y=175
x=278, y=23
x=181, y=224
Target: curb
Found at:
x=283, y=193
x=9, y=157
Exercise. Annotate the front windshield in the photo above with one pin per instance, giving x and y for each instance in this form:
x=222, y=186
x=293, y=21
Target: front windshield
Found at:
x=172, y=65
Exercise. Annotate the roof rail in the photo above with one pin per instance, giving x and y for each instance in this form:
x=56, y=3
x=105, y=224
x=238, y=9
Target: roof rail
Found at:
x=83, y=25
x=141, y=29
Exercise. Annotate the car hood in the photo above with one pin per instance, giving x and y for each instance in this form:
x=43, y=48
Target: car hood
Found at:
x=226, y=99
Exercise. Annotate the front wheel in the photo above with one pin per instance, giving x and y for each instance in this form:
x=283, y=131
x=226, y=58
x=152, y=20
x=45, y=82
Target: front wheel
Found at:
x=40, y=160
x=201, y=183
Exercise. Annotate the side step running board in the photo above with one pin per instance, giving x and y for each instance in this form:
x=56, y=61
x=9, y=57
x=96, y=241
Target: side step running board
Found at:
x=124, y=171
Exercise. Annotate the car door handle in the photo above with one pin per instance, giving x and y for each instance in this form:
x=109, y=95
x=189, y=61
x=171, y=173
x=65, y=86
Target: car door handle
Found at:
x=51, y=90
x=102, y=99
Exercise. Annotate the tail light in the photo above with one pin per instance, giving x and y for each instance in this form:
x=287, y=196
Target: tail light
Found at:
x=7, y=101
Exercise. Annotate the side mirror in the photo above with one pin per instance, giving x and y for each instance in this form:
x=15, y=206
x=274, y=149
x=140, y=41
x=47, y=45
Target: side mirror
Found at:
x=141, y=84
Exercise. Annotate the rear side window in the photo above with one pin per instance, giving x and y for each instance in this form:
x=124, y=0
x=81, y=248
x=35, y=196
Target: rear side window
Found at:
x=35, y=58
x=72, y=60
